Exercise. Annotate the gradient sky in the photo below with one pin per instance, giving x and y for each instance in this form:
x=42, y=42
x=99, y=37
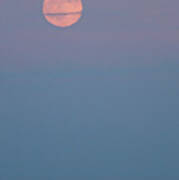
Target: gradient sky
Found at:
x=98, y=100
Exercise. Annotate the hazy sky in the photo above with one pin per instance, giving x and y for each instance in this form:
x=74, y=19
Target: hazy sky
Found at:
x=98, y=100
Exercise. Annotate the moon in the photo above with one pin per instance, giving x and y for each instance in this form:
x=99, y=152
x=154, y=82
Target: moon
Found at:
x=62, y=13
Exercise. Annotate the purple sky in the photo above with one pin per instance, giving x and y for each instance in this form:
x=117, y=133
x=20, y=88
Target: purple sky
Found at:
x=122, y=29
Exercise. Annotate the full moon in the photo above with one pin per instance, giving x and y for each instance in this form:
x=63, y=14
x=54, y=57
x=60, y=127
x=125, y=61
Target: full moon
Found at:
x=62, y=13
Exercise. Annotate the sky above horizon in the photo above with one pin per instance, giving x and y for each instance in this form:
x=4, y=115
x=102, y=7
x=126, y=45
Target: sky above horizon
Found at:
x=115, y=30
x=97, y=100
